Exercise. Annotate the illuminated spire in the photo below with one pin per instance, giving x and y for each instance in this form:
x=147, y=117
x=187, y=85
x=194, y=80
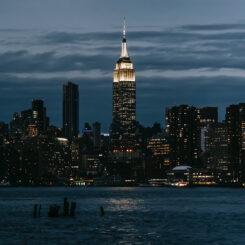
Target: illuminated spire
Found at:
x=124, y=28
x=124, y=52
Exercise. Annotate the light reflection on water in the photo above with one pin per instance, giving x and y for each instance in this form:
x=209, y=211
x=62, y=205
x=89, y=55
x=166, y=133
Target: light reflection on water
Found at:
x=132, y=216
x=127, y=204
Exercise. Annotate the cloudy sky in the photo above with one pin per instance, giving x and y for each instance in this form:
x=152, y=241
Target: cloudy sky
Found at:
x=184, y=52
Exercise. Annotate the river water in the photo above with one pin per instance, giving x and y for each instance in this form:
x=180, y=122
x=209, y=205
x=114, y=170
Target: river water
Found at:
x=133, y=215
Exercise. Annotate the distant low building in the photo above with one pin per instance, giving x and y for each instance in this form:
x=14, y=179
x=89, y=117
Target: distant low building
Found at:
x=127, y=164
x=180, y=174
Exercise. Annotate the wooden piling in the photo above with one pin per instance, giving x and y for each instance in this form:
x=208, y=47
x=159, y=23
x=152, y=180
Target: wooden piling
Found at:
x=53, y=211
x=102, y=211
x=66, y=207
x=73, y=208
x=35, y=211
x=39, y=210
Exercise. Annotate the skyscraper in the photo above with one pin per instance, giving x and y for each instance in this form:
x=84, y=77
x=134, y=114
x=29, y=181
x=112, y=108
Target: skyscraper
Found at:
x=39, y=117
x=235, y=120
x=182, y=123
x=124, y=102
x=217, y=147
x=70, y=110
x=34, y=119
x=208, y=117
x=96, y=135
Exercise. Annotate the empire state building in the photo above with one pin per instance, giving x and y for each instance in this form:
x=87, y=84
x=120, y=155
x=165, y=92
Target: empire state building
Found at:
x=124, y=102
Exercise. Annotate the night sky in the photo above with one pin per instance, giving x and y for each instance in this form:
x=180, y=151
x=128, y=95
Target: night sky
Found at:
x=183, y=51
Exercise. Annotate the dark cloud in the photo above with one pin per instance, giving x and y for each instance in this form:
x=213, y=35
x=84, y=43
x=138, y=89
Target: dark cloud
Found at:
x=213, y=27
x=68, y=37
x=167, y=50
x=22, y=61
x=175, y=35
x=12, y=30
x=176, y=49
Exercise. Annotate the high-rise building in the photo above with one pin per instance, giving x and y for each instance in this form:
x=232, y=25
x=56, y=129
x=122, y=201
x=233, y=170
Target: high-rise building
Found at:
x=26, y=118
x=30, y=122
x=235, y=120
x=39, y=117
x=183, y=127
x=70, y=110
x=217, y=147
x=208, y=117
x=4, y=129
x=124, y=102
x=16, y=125
x=159, y=147
x=159, y=144
x=96, y=135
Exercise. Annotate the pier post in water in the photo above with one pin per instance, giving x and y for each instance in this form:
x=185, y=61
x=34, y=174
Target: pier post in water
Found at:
x=102, y=211
x=39, y=210
x=53, y=211
x=73, y=207
x=66, y=207
x=35, y=211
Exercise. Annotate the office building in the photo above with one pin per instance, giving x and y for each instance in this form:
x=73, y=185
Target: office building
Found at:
x=70, y=110
x=208, y=116
x=217, y=147
x=182, y=123
x=96, y=135
x=235, y=120
x=39, y=117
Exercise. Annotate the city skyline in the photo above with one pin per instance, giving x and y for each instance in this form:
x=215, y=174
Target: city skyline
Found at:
x=122, y=122
x=185, y=61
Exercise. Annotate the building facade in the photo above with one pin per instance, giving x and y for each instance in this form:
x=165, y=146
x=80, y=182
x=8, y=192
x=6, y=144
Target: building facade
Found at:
x=235, y=120
x=30, y=122
x=39, y=117
x=208, y=117
x=217, y=147
x=158, y=161
x=70, y=110
x=96, y=135
x=182, y=124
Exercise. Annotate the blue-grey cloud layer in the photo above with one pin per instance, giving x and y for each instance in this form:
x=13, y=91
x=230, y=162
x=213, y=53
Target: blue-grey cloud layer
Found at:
x=193, y=64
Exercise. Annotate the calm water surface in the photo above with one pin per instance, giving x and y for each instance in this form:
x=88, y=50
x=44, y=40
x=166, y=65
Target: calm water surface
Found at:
x=132, y=216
